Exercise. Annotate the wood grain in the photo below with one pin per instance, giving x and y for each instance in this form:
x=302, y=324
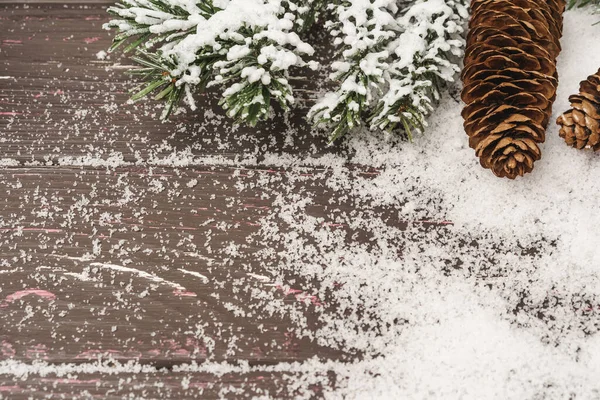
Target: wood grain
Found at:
x=51, y=74
x=162, y=384
x=104, y=253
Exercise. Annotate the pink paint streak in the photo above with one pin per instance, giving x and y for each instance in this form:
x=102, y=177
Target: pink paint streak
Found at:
x=9, y=388
x=197, y=346
x=32, y=230
x=181, y=352
x=300, y=295
x=116, y=354
x=6, y=349
x=44, y=294
x=10, y=113
x=56, y=92
x=12, y=41
x=314, y=300
x=257, y=207
x=290, y=343
x=71, y=381
x=43, y=230
x=90, y=40
x=37, y=352
x=201, y=385
x=257, y=352
x=172, y=347
x=287, y=291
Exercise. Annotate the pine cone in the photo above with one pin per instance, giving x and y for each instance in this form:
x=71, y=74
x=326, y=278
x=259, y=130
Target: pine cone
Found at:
x=580, y=126
x=510, y=80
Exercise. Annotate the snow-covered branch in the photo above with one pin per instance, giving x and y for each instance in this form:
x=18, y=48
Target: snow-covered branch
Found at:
x=362, y=29
x=424, y=58
x=245, y=46
x=393, y=63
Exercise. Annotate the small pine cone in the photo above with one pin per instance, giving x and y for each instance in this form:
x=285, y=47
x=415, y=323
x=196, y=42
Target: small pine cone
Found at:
x=510, y=80
x=580, y=126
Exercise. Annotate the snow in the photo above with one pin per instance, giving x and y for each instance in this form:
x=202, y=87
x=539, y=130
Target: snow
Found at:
x=359, y=27
x=436, y=278
x=388, y=59
x=465, y=334
x=206, y=48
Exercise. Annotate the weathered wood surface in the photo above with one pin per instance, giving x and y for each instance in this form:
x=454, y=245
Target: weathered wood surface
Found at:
x=157, y=385
x=107, y=250
x=60, y=100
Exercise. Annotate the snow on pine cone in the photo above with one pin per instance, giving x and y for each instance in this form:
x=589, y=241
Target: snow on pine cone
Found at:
x=580, y=126
x=510, y=80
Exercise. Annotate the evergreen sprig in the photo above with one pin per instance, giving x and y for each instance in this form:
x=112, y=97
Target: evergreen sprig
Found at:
x=362, y=29
x=155, y=72
x=144, y=24
x=143, y=21
x=253, y=45
x=417, y=75
x=394, y=63
x=342, y=110
x=582, y=3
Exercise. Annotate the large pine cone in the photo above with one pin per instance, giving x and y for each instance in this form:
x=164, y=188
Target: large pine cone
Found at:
x=510, y=80
x=580, y=126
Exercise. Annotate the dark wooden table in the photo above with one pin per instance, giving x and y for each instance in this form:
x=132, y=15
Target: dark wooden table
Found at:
x=124, y=239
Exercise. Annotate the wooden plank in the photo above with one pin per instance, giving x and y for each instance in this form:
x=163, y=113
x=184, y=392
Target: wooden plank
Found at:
x=104, y=253
x=61, y=2
x=59, y=100
x=139, y=265
x=166, y=384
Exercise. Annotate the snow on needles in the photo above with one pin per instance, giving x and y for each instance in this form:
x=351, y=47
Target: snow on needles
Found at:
x=247, y=46
x=390, y=61
x=224, y=25
x=433, y=277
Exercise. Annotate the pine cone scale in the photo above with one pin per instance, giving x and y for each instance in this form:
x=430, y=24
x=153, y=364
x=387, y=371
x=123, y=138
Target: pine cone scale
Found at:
x=589, y=109
x=510, y=81
x=580, y=126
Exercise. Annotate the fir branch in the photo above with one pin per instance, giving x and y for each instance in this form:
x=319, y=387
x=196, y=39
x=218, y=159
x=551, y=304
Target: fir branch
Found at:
x=418, y=72
x=252, y=86
x=166, y=22
x=245, y=46
x=150, y=22
x=582, y=3
x=307, y=12
x=363, y=29
x=393, y=65
x=155, y=72
x=256, y=45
